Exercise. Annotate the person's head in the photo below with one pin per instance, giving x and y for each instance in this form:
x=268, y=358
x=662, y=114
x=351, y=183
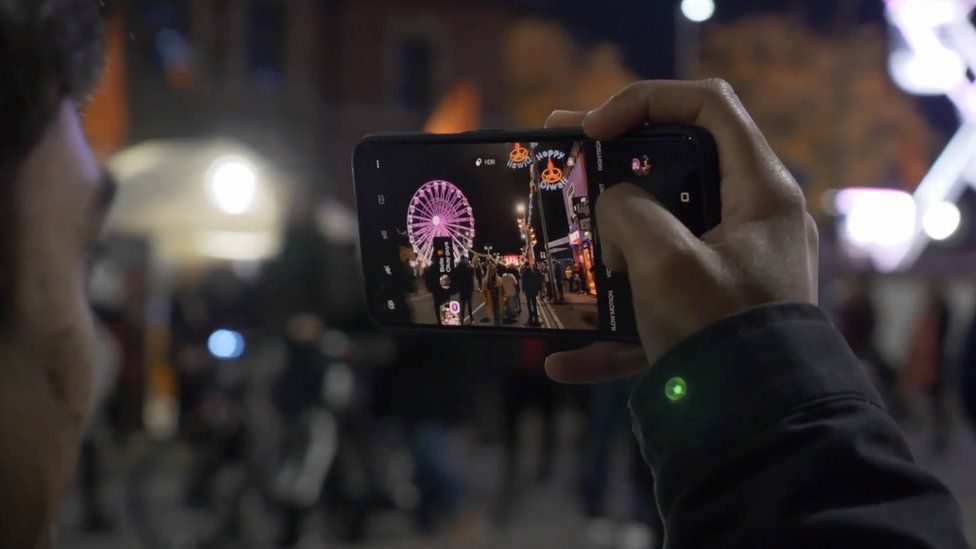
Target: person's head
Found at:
x=52, y=201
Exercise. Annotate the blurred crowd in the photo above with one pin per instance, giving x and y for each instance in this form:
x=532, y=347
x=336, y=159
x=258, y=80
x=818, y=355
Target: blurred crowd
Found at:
x=361, y=423
x=292, y=414
x=934, y=373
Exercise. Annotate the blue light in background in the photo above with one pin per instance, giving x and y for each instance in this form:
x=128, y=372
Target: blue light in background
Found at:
x=226, y=344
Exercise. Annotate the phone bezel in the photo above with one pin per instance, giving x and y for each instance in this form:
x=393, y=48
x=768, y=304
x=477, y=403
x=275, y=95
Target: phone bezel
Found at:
x=708, y=170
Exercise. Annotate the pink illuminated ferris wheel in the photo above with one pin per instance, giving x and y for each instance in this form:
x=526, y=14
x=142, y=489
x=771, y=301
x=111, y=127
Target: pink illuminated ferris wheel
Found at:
x=438, y=208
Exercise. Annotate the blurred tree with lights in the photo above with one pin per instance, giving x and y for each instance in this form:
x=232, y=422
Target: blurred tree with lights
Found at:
x=824, y=101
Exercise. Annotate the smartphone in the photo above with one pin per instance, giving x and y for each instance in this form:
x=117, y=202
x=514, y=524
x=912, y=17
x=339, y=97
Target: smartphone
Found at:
x=494, y=232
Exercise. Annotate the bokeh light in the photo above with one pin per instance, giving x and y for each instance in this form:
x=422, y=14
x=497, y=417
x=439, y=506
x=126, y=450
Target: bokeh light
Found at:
x=698, y=11
x=926, y=72
x=225, y=344
x=941, y=220
x=232, y=184
x=877, y=216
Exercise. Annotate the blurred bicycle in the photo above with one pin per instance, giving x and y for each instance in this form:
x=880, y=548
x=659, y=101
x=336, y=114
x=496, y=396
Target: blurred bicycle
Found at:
x=243, y=471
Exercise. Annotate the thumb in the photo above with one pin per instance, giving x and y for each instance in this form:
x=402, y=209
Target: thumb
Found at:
x=637, y=234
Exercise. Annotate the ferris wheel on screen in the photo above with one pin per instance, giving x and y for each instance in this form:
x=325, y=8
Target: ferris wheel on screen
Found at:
x=439, y=209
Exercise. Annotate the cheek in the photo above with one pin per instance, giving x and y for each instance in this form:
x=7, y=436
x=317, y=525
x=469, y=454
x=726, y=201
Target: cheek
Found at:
x=68, y=366
x=55, y=319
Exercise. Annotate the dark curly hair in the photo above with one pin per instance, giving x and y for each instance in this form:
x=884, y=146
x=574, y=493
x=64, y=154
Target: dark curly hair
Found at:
x=49, y=50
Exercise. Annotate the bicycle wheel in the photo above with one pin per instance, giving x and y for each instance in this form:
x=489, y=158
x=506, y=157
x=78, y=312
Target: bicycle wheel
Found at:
x=182, y=498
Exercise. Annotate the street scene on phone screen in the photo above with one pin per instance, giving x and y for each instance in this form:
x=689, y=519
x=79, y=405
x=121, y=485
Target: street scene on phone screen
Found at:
x=505, y=241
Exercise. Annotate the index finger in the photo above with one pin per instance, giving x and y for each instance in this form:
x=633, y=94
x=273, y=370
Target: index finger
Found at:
x=745, y=158
x=598, y=363
x=565, y=119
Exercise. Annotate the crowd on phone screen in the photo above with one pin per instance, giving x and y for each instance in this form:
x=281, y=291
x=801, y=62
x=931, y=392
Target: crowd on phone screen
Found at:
x=504, y=288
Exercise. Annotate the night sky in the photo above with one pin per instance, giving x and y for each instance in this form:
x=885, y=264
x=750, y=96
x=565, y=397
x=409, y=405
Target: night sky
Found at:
x=493, y=192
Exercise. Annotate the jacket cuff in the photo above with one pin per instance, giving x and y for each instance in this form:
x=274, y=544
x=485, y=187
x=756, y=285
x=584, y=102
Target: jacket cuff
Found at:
x=734, y=378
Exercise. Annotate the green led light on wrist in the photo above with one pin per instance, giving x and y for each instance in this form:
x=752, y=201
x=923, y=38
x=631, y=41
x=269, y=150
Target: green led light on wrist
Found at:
x=675, y=389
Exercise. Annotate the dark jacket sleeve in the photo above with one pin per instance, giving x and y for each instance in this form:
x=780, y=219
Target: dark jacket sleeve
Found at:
x=778, y=439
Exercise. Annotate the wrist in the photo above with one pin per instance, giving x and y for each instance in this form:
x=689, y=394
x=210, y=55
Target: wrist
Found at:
x=736, y=376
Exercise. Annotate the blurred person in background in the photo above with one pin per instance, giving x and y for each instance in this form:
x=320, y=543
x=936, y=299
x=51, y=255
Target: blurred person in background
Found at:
x=493, y=292
x=192, y=320
x=523, y=386
x=967, y=375
x=479, y=270
x=606, y=417
x=546, y=283
x=856, y=321
x=190, y=324
x=53, y=200
x=296, y=287
x=517, y=273
x=464, y=275
x=425, y=387
x=510, y=285
x=559, y=275
x=531, y=286
x=322, y=391
x=578, y=282
x=124, y=318
x=925, y=372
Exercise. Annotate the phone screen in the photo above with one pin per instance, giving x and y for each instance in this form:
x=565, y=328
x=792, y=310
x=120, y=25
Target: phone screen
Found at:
x=499, y=232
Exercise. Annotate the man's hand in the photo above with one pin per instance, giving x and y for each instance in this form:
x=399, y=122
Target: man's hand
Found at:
x=763, y=251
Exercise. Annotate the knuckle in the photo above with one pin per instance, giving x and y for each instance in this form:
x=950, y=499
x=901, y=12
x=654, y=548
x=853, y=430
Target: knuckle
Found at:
x=718, y=88
x=789, y=200
x=781, y=202
x=793, y=198
x=637, y=87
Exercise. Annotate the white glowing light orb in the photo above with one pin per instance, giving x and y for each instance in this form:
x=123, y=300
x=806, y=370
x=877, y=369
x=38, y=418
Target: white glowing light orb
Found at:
x=698, y=11
x=232, y=184
x=225, y=344
x=926, y=72
x=436, y=221
x=941, y=220
x=881, y=217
